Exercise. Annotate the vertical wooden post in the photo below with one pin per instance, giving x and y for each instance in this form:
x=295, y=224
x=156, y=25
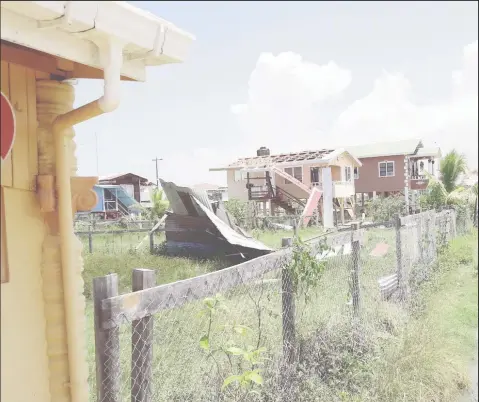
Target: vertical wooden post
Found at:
x=152, y=242
x=356, y=265
x=399, y=264
x=295, y=228
x=107, y=342
x=90, y=240
x=288, y=310
x=335, y=215
x=142, y=343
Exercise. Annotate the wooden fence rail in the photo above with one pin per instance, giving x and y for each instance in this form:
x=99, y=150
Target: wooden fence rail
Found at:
x=137, y=308
x=146, y=299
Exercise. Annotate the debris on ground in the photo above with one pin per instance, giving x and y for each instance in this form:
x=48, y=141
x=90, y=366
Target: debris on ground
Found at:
x=196, y=227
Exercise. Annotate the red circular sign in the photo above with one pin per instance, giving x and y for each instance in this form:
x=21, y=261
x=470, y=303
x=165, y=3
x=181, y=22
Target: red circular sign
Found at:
x=7, y=128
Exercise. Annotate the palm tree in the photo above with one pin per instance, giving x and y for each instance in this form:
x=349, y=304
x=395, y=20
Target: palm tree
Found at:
x=452, y=166
x=159, y=205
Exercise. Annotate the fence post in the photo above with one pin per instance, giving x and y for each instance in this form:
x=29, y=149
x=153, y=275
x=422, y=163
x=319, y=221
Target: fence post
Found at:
x=399, y=265
x=356, y=259
x=90, y=240
x=288, y=309
x=107, y=342
x=152, y=242
x=142, y=342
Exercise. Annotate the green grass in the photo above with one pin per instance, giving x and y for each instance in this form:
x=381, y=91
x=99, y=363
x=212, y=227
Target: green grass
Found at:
x=416, y=354
x=429, y=360
x=177, y=344
x=273, y=238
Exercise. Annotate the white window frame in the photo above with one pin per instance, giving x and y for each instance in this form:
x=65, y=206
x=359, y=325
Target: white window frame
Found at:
x=239, y=175
x=347, y=170
x=286, y=181
x=386, y=163
x=356, y=173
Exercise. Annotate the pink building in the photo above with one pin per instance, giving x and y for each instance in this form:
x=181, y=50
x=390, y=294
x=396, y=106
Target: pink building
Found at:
x=394, y=167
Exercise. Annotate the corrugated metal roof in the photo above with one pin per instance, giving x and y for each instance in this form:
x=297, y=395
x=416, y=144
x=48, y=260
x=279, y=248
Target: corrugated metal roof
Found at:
x=231, y=235
x=193, y=208
x=182, y=205
x=390, y=148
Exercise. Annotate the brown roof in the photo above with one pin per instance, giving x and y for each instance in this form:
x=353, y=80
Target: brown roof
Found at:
x=119, y=175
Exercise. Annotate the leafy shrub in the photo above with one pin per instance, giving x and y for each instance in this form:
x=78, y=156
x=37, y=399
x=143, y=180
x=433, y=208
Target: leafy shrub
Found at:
x=384, y=209
x=237, y=209
x=436, y=195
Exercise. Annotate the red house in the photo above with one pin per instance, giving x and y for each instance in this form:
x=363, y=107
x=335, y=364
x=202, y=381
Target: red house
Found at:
x=394, y=168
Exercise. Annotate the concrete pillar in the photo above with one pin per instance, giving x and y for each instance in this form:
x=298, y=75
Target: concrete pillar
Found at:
x=328, y=220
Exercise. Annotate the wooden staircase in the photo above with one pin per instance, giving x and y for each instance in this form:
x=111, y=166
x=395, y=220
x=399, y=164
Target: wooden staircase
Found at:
x=286, y=200
x=293, y=180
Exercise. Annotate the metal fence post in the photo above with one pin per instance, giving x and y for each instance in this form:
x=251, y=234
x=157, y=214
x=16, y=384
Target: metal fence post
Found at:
x=90, y=240
x=107, y=342
x=142, y=342
x=152, y=242
x=288, y=309
x=355, y=259
x=399, y=264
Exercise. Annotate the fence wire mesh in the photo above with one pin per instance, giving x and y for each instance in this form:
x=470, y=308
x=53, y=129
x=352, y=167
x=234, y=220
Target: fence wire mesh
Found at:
x=268, y=329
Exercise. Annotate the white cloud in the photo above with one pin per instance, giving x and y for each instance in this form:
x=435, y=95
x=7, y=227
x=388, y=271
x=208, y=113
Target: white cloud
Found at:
x=282, y=93
x=389, y=112
x=190, y=168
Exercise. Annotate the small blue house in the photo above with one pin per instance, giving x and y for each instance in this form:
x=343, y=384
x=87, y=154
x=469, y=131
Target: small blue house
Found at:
x=114, y=202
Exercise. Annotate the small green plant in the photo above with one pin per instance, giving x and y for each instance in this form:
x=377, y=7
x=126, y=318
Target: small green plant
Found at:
x=249, y=355
x=305, y=270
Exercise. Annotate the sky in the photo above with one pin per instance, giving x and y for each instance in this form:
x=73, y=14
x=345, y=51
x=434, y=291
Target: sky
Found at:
x=291, y=76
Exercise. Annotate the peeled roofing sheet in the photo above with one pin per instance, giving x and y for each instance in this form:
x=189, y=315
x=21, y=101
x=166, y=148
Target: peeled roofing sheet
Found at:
x=229, y=234
x=177, y=204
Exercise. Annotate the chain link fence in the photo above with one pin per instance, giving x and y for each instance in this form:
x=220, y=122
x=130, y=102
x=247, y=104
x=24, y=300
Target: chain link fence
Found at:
x=115, y=238
x=270, y=329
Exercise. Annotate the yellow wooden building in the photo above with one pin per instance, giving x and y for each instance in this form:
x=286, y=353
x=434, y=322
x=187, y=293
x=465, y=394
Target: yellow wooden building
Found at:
x=45, y=45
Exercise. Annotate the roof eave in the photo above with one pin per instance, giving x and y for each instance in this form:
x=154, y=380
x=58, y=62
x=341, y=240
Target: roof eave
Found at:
x=44, y=26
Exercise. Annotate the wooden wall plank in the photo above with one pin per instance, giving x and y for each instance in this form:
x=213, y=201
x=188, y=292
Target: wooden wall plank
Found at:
x=3, y=240
x=32, y=127
x=7, y=163
x=18, y=98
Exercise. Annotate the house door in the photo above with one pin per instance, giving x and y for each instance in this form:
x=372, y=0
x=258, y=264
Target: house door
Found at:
x=315, y=175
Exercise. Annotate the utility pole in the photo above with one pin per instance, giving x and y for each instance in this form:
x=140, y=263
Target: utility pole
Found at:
x=156, y=165
x=96, y=151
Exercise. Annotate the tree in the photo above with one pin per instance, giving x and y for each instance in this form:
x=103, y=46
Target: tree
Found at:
x=237, y=209
x=452, y=166
x=159, y=205
x=436, y=194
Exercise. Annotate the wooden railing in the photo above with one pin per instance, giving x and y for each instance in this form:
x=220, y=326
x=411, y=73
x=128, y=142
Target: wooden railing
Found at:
x=291, y=179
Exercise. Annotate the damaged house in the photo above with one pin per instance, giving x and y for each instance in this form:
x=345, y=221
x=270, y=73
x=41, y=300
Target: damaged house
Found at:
x=196, y=227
